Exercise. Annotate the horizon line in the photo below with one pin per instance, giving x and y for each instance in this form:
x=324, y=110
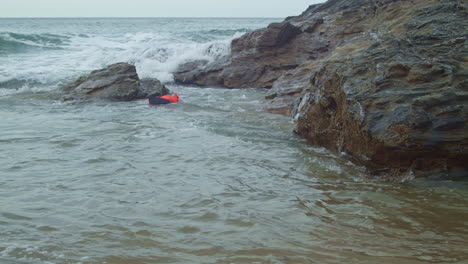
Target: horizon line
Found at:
x=84, y=17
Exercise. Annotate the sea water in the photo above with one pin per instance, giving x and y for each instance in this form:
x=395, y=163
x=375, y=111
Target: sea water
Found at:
x=212, y=179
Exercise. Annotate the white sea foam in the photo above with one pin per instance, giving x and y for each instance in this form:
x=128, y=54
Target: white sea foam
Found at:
x=46, y=53
x=155, y=55
x=23, y=89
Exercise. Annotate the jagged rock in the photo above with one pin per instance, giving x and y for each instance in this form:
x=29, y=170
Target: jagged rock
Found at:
x=191, y=66
x=254, y=61
x=278, y=34
x=117, y=82
x=383, y=82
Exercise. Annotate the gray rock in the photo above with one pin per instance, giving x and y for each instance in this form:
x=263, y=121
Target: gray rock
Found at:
x=116, y=82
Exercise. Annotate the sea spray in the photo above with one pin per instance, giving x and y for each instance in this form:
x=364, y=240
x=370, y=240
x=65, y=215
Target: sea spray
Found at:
x=46, y=53
x=153, y=55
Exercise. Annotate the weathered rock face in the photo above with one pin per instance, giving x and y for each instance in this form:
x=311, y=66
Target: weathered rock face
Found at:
x=257, y=60
x=383, y=82
x=117, y=82
x=395, y=97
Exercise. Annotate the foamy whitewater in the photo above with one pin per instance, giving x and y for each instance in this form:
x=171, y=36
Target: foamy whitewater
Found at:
x=39, y=54
x=212, y=179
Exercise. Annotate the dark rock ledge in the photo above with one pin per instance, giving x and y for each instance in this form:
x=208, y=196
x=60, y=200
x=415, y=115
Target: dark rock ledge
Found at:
x=383, y=82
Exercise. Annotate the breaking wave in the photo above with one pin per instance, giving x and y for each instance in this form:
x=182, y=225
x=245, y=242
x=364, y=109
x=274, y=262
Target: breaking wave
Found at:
x=14, y=42
x=30, y=62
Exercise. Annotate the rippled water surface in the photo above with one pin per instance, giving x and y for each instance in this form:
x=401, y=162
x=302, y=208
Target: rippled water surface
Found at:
x=212, y=179
x=209, y=180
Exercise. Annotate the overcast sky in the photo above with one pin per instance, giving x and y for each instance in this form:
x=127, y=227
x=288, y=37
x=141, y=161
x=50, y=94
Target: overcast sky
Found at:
x=153, y=8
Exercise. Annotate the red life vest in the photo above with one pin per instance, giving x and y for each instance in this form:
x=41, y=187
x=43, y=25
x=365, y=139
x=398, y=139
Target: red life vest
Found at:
x=172, y=98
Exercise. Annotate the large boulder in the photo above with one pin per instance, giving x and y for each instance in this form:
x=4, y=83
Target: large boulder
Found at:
x=116, y=82
x=394, y=98
x=383, y=83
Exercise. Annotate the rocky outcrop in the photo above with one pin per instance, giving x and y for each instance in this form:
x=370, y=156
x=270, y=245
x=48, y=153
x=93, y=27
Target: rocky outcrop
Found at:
x=117, y=82
x=381, y=82
x=257, y=59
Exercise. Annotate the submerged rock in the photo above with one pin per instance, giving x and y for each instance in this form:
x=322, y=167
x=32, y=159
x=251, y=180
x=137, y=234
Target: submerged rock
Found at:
x=116, y=82
x=382, y=82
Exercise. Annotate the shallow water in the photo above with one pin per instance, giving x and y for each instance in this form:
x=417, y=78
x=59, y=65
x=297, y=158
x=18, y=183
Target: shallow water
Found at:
x=209, y=180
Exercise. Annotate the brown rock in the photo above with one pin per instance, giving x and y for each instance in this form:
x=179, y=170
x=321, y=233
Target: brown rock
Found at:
x=383, y=82
x=400, y=95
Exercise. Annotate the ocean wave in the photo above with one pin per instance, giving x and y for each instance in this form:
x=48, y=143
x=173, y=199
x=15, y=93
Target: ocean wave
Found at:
x=169, y=57
x=217, y=34
x=225, y=32
x=25, y=89
x=155, y=54
x=18, y=83
x=11, y=42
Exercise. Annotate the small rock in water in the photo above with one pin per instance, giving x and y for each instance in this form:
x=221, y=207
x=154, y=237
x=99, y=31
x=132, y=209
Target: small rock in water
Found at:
x=116, y=82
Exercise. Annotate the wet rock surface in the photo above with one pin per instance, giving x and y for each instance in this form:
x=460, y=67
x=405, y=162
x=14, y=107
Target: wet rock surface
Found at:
x=116, y=82
x=382, y=82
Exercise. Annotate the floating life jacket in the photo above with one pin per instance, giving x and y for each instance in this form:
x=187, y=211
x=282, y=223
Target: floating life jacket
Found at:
x=165, y=99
